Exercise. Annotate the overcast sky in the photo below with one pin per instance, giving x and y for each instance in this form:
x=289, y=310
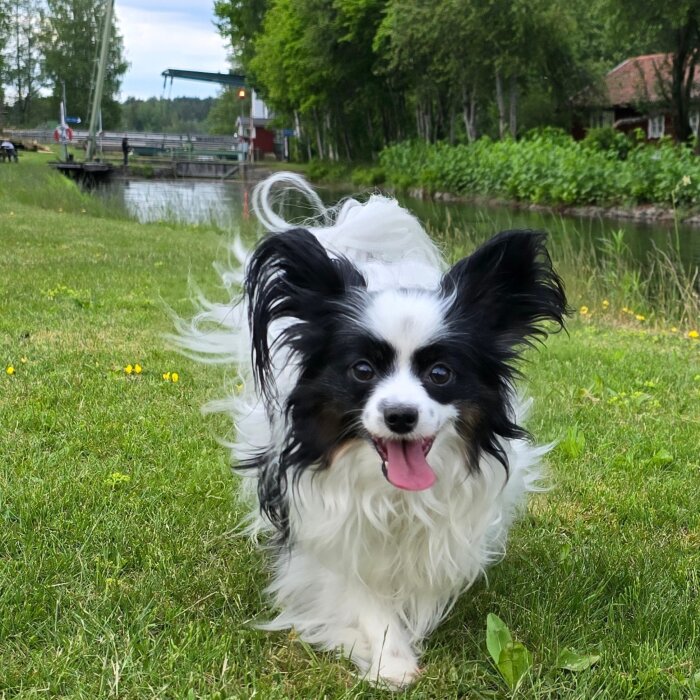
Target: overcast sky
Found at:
x=160, y=34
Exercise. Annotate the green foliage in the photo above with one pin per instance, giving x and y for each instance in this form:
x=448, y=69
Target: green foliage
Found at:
x=570, y=660
x=19, y=32
x=314, y=64
x=69, y=43
x=512, y=659
x=609, y=140
x=573, y=443
x=368, y=177
x=550, y=169
x=226, y=110
x=177, y=115
x=327, y=171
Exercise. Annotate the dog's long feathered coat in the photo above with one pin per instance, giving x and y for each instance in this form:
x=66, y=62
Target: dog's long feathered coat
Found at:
x=377, y=424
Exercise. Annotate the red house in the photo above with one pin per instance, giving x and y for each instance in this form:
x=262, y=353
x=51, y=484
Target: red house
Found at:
x=263, y=137
x=635, y=95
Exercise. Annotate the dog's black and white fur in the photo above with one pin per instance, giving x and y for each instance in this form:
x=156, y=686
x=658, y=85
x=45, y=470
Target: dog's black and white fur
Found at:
x=377, y=420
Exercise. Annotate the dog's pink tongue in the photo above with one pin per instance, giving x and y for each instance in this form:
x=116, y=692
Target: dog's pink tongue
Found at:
x=406, y=466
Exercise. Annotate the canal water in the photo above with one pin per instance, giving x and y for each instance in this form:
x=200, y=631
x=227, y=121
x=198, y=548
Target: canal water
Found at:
x=221, y=204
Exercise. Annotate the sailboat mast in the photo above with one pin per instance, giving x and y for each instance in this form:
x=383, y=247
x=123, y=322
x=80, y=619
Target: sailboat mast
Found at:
x=101, y=70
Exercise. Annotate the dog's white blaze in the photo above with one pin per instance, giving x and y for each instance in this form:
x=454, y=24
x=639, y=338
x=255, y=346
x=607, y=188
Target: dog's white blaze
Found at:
x=404, y=388
x=407, y=320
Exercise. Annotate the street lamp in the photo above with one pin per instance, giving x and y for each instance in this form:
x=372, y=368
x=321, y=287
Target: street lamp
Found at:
x=241, y=94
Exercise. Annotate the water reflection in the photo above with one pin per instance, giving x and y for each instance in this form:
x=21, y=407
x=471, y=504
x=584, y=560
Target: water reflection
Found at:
x=221, y=204
x=182, y=201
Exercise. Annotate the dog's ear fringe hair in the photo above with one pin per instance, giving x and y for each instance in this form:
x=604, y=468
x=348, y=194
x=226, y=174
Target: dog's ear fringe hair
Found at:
x=291, y=276
x=510, y=291
x=511, y=284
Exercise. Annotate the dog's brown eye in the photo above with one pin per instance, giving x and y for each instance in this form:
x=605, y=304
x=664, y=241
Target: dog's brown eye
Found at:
x=440, y=374
x=363, y=371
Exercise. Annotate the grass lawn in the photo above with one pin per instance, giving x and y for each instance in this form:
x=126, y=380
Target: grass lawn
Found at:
x=119, y=572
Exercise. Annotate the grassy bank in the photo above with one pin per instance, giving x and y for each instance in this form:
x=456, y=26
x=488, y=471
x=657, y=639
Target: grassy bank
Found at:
x=119, y=572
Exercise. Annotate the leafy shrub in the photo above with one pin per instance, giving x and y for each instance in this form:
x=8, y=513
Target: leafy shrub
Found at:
x=550, y=167
x=326, y=171
x=608, y=140
x=368, y=177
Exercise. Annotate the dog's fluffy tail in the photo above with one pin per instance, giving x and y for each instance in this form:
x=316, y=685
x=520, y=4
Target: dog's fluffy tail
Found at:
x=378, y=230
x=374, y=234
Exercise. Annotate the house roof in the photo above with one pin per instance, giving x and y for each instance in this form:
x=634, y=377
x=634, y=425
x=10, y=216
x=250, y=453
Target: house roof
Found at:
x=637, y=80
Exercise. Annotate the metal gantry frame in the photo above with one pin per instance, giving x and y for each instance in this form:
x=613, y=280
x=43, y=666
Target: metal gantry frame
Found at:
x=226, y=79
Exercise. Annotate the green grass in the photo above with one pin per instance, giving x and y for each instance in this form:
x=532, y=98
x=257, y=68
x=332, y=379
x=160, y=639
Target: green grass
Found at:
x=120, y=575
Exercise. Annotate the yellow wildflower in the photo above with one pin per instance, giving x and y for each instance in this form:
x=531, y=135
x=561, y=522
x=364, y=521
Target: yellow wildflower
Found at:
x=174, y=377
x=625, y=309
x=640, y=317
x=166, y=376
x=137, y=368
x=606, y=303
x=10, y=370
x=23, y=360
x=583, y=310
x=693, y=334
x=674, y=329
x=128, y=369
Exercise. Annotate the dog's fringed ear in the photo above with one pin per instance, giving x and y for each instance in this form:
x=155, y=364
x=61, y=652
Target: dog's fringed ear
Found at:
x=291, y=276
x=507, y=288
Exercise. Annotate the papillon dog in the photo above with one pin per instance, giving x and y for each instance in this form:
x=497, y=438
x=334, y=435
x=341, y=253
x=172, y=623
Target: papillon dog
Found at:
x=376, y=415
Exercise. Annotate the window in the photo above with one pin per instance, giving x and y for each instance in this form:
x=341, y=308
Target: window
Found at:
x=656, y=126
x=600, y=119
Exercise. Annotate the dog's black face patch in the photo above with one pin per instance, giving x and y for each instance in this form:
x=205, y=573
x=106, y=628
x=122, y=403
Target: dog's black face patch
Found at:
x=336, y=379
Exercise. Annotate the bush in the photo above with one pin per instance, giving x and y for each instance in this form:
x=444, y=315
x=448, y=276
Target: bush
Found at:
x=326, y=171
x=549, y=167
x=608, y=140
x=368, y=177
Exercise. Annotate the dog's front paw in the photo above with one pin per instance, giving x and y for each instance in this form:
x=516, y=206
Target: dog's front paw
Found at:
x=393, y=670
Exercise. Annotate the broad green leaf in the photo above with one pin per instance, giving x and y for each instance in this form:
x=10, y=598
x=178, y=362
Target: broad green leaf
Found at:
x=572, y=661
x=513, y=663
x=497, y=636
x=661, y=458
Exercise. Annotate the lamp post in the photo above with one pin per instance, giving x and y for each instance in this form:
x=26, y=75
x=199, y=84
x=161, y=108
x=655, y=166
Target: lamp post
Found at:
x=241, y=94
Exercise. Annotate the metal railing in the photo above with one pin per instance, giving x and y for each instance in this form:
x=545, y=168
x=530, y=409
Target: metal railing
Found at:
x=181, y=144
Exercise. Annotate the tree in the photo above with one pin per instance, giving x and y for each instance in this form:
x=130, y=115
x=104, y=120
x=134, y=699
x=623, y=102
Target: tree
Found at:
x=676, y=29
x=71, y=31
x=226, y=109
x=4, y=31
x=314, y=64
x=240, y=21
x=459, y=57
x=178, y=115
x=22, y=60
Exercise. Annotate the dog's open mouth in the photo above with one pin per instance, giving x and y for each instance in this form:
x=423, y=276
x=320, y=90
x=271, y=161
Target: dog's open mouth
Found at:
x=404, y=462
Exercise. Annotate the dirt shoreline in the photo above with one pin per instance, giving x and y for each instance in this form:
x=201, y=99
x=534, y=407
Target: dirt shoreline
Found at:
x=644, y=213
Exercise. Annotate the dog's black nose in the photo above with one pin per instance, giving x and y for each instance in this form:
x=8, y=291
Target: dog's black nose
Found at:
x=400, y=419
